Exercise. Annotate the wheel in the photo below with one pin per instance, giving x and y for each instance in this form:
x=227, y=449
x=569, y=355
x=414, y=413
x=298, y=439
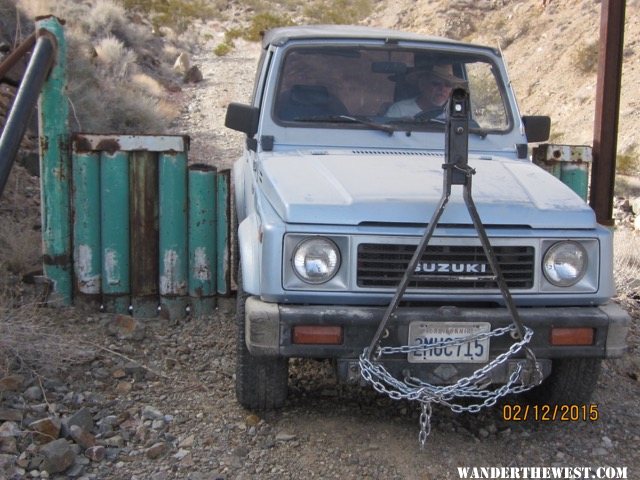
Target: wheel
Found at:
x=261, y=382
x=572, y=381
x=426, y=115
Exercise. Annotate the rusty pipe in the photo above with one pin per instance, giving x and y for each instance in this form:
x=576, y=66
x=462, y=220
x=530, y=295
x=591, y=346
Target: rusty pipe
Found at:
x=25, y=101
x=8, y=63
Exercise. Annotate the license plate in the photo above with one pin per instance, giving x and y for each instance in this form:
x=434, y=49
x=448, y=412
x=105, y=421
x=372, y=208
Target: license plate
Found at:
x=429, y=333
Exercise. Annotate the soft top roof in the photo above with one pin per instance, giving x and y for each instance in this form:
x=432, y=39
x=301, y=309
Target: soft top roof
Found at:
x=279, y=36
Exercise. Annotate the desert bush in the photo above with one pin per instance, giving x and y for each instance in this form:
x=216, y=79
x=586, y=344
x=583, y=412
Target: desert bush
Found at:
x=29, y=342
x=176, y=14
x=627, y=162
x=222, y=49
x=585, y=58
x=114, y=59
x=338, y=11
x=263, y=22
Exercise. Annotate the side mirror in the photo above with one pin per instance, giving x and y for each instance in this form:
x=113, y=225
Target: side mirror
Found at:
x=243, y=118
x=537, y=128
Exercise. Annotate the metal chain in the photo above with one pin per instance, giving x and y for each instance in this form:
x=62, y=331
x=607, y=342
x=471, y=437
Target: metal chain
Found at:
x=467, y=387
x=425, y=424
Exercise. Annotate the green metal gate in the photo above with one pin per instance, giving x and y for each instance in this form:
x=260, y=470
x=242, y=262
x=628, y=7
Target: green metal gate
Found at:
x=127, y=224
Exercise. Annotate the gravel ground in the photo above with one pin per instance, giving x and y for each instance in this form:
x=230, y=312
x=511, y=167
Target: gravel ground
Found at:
x=161, y=403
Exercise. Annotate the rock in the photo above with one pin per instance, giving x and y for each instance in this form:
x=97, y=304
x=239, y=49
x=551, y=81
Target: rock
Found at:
x=11, y=383
x=181, y=454
x=58, y=456
x=606, y=442
x=47, y=429
x=115, y=441
x=636, y=223
x=635, y=206
x=10, y=415
x=9, y=429
x=119, y=374
x=156, y=450
x=136, y=370
x=193, y=75
x=125, y=327
x=7, y=465
x=83, y=418
x=187, y=442
x=82, y=437
x=599, y=452
x=284, y=437
x=252, y=420
x=123, y=388
x=8, y=445
x=182, y=63
x=151, y=413
x=96, y=454
x=33, y=393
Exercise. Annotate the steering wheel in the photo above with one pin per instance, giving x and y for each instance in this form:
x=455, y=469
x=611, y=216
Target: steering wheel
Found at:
x=429, y=114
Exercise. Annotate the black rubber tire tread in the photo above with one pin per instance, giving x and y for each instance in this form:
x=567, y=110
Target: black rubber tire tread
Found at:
x=572, y=381
x=261, y=382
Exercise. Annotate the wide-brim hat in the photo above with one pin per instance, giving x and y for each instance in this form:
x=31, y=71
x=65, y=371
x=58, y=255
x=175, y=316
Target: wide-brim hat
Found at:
x=442, y=72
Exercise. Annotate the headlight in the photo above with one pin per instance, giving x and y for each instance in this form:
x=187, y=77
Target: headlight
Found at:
x=316, y=260
x=565, y=263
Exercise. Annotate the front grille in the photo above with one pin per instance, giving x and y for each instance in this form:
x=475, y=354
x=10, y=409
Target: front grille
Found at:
x=444, y=267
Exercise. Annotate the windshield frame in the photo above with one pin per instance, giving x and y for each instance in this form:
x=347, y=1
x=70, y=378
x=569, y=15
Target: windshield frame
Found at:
x=459, y=54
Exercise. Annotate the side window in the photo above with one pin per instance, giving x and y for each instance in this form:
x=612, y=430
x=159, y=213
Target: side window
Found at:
x=487, y=104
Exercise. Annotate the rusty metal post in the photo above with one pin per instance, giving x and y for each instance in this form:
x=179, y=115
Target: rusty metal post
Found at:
x=607, y=109
x=8, y=63
x=223, y=247
x=144, y=229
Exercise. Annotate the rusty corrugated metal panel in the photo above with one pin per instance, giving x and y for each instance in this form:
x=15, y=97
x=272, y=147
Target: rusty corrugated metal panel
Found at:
x=84, y=142
x=144, y=233
x=607, y=109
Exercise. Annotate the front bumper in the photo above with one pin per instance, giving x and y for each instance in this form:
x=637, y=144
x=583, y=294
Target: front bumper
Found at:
x=269, y=327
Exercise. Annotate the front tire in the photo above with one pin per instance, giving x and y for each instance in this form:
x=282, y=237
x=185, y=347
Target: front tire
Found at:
x=572, y=381
x=261, y=382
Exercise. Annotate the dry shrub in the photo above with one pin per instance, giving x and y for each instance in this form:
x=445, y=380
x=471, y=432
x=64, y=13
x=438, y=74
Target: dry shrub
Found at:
x=148, y=84
x=114, y=59
x=19, y=245
x=30, y=342
x=627, y=267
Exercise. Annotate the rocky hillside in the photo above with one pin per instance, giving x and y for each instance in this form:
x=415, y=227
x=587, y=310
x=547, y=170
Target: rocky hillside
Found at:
x=551, y=52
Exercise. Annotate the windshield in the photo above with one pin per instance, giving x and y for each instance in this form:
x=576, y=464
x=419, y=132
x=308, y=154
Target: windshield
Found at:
x=403, y=89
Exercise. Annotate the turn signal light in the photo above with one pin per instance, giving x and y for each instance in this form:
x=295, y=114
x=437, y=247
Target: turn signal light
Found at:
x=317, y=335
x=572, y=336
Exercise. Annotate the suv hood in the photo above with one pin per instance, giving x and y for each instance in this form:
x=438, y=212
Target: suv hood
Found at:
x=350, y=189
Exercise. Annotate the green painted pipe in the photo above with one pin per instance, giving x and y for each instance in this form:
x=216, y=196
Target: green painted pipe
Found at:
x=576, y=176
x=174, y=258
x=222, y=239
x=114, y=231
x=202, y=239
x=87, y=256
x=55, y=171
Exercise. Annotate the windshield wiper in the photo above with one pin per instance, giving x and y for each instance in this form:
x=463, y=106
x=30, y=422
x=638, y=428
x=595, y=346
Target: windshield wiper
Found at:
x=348, y=119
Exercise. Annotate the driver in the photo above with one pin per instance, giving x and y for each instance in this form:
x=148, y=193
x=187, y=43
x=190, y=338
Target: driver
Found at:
x=435, y=84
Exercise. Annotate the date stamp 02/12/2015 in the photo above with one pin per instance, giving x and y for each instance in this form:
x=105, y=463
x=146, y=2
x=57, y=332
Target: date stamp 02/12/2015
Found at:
x=550, y=413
